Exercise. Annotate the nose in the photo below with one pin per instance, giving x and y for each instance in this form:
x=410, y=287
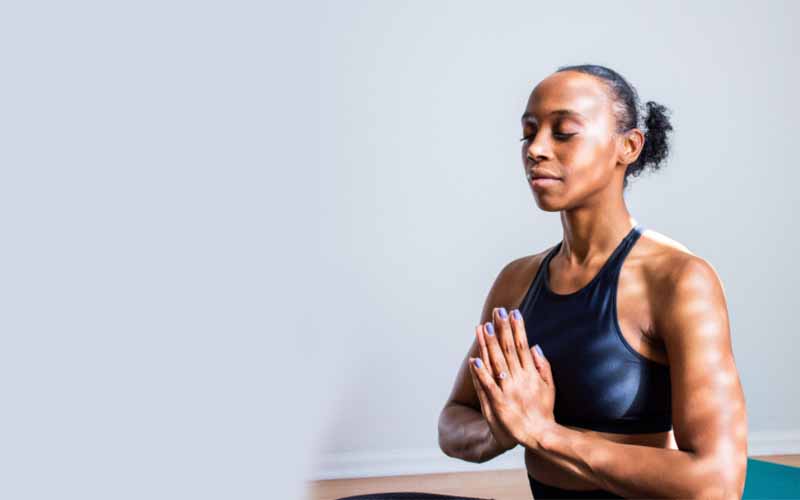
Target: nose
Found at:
x=538, y=149
x=534, y=157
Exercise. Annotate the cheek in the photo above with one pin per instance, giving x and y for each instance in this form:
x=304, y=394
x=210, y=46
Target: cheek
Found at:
x=587, y=159
x=581, y=155
x=585, y=169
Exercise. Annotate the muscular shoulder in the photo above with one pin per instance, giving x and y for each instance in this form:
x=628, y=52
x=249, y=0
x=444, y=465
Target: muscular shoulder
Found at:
x=656, y=256
x=667, y=262
x=676, y=277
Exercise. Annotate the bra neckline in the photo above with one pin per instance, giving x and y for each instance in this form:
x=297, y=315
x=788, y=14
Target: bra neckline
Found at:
x=546, y=270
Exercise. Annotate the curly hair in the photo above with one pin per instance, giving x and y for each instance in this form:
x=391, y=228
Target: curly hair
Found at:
x=626, y=109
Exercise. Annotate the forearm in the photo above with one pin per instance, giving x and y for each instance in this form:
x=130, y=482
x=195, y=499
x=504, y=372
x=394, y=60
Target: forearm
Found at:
x=464, y=433
x=563, y=467
x=633, y=470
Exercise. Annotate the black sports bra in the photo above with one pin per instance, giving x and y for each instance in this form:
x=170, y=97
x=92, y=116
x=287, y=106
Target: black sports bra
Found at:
x=602, y=383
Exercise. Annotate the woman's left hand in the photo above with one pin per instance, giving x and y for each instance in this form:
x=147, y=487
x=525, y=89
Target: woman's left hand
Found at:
x=516, y=380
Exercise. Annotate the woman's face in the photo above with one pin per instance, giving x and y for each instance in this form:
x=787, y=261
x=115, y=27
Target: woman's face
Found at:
x=569, y=132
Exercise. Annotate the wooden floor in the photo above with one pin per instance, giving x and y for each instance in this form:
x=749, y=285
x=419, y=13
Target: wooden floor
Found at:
x=501, y=485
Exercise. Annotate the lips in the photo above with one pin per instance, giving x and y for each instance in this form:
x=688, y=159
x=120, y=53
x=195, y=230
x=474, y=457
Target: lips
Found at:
x=542, y=175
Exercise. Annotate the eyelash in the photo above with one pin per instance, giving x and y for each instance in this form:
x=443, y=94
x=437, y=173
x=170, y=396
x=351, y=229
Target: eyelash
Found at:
x=560, y=137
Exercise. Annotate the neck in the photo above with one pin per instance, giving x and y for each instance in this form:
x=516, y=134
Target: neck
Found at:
x=591, y=233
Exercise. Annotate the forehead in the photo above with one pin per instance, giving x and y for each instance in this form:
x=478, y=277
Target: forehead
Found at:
x=579, y=92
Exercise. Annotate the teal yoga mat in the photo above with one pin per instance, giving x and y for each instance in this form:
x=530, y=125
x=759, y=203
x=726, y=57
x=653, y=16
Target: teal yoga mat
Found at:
x=770, y=480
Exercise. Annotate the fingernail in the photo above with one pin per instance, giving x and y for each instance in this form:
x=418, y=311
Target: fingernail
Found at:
x=503, y=313
x=516, y=314
x=489, y=329
x=478, y=362
x=539, y=350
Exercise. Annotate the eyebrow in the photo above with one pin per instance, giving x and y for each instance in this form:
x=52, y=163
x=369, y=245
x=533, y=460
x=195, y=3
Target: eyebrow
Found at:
x=528, y=116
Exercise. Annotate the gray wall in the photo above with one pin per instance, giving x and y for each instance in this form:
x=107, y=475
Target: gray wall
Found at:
x=423, y=198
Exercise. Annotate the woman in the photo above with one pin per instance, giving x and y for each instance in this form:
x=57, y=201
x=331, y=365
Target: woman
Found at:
x=632, y=389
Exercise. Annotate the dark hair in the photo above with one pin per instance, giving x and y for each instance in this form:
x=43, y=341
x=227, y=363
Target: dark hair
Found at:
x=656, y=121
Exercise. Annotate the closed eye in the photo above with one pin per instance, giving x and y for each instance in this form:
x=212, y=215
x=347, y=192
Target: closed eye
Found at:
x=559, y=137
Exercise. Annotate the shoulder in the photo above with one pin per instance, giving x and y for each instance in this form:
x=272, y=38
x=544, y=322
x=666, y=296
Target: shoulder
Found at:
x=669, y=263
x=664, y=260
x=523, y=265
x=678, y=279
x=513, y=280
x=522, y=270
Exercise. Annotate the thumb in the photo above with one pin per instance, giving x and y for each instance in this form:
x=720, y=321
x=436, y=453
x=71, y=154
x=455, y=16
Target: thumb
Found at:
x=542, y=364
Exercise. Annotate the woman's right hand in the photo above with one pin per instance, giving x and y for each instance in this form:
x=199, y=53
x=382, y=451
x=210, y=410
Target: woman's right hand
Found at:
x=499, y=432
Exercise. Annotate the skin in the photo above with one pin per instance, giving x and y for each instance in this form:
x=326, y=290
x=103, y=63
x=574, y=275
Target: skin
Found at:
x=671, y=308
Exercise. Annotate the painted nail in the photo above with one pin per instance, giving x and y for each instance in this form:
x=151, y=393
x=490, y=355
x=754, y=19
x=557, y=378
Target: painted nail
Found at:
x=503, y=313
x=539, y=350
x=478, y=362
x=516, y=314
x=489, y=329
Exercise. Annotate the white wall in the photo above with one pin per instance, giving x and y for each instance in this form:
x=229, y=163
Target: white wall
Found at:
x=423, y=199
x=148, y=260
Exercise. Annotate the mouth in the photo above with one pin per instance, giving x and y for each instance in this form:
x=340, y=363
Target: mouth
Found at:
x=541, y=182
x=532, y=178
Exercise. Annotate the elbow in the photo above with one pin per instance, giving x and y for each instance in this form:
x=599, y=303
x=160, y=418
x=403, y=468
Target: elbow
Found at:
x=451, y=438
x=733, y=472
x=444, y=442
x=725, y=477
x=719, y=491
x=443, y=446
x=735, y=484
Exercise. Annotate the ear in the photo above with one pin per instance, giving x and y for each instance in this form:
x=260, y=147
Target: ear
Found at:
x=631, y=144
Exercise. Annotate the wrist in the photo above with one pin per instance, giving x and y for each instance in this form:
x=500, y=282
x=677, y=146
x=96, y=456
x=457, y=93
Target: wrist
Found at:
x=542, y=439
x=501, y=447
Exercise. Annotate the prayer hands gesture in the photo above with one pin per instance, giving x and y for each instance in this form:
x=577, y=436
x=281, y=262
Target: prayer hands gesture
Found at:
x=513, y=381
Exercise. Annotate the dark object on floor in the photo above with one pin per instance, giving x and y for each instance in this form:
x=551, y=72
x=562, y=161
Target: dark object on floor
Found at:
x=542, y=491
x=409, y=495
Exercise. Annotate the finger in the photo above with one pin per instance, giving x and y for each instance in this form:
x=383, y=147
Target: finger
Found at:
x=521, y=340
x=490, y=387
x=482, y=343
x=497, y=360
x=505, y=337
x=479, y=333
x=495, y=374
x=542, y=364
x=485, y=408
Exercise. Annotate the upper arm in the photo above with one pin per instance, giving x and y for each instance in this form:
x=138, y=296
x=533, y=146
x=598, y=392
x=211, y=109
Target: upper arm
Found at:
x=708, y=407
x=503, y=293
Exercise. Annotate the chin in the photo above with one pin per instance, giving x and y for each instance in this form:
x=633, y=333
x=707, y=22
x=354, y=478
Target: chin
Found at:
x=548, y=204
